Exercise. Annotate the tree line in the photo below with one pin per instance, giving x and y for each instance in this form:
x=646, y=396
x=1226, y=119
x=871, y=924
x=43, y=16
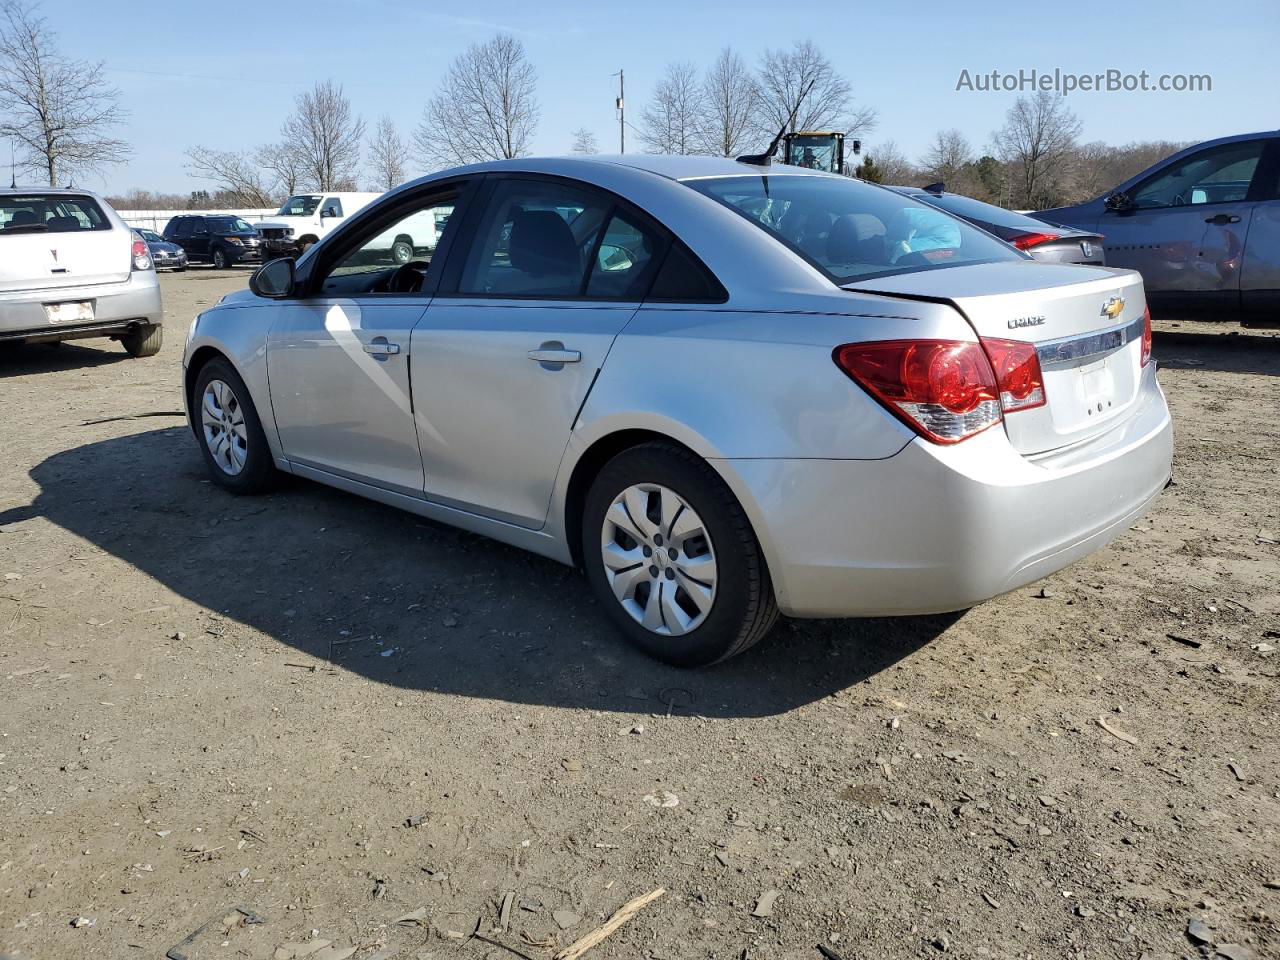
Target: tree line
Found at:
x=61, y=115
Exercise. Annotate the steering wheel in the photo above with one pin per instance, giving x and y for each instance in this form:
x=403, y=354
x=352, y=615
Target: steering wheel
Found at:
x=408, y=277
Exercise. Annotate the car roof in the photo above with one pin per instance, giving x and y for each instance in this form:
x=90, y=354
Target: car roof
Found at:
x=22, y=191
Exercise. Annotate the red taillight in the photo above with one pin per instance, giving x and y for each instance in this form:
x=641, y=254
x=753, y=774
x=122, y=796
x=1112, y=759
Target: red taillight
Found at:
x=1146, y=336
x=943, y=389
x=1029, y=240
x=1018, y=373
x=141, y=254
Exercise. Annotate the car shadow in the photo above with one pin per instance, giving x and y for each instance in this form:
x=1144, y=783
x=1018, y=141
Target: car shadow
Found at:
x=414, y=604
x=19, y=359
x=1229, y=352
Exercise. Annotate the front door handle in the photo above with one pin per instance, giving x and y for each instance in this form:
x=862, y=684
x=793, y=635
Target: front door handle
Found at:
x=379, y=347
x=561, y=355
x=1222, y=219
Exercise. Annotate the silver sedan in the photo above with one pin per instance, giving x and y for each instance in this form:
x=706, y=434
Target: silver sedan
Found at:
x=724, y=390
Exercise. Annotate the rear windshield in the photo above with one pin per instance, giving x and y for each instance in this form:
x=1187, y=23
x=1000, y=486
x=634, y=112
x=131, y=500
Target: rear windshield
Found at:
x=44, y=213
x=229, y=225
x=1003, y=223
x=299, y=207
x=851, y=230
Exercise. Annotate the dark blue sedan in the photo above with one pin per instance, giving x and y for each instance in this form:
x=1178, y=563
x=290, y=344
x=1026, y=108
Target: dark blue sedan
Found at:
x=166, y=255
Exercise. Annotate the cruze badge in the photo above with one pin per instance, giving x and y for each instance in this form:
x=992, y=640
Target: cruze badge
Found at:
x=1111, y=309
x=1019, y=322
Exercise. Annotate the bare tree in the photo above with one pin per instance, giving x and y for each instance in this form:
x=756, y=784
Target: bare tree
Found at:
x=730, y=108
x=800, y=88
x=486, y=109
x=947, y=156
x=236, y=175
x=282, y=162
x=388, y=155
x=584, y=141
x=1037, y=143
x=326, y=134
x=60, y=111
x=670, y=122
x=890, y=163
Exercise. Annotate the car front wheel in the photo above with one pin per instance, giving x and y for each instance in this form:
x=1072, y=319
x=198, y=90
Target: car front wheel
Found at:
x=231, y=438
x=671, y=556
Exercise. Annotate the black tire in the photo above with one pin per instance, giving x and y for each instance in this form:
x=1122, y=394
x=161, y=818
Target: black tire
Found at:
x=258, y=474
x=220, y=261
x=143, y=341
x=743, y=609
x=402, y=250
x=305, y=244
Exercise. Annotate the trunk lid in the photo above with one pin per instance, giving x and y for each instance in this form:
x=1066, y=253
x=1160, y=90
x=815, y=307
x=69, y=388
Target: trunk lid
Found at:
x=1086, y=324
x=40, y=260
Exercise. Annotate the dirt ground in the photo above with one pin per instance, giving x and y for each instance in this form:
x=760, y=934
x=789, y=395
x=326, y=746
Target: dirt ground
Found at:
x=333, y=716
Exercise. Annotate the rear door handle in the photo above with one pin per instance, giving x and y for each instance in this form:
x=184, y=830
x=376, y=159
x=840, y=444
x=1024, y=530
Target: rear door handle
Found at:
x=555, y=356
x=380, y=348
x=1222, y=219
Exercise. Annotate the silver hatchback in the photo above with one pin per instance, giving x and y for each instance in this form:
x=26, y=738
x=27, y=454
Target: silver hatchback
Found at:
x=70, y=268
x=724, y=390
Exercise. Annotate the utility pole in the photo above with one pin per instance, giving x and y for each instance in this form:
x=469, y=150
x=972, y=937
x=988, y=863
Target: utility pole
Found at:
x=621, y=105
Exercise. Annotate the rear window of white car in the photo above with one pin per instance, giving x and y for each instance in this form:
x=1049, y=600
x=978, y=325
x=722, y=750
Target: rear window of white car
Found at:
x=851, y=230
x=50, y=213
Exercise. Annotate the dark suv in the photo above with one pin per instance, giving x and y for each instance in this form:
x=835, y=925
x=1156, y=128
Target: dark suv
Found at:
x=220, y=239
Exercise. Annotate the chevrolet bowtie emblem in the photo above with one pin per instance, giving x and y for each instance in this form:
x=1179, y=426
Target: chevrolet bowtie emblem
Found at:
x=1111, y=309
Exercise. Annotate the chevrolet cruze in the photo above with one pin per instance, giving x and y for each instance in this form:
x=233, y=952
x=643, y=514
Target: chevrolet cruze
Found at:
x=725, y=390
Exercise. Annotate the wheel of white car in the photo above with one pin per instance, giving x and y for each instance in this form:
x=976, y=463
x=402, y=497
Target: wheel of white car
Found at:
x=402, y=250
x=231, y=439
x=144, y=340
x=671, y=556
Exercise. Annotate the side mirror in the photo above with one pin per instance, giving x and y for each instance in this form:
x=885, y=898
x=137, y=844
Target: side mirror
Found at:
x=274, y=279
x=1118, y=202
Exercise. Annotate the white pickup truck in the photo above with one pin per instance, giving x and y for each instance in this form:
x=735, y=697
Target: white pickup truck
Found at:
x=307, y=217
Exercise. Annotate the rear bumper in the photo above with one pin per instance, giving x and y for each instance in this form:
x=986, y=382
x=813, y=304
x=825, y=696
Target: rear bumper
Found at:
x=933, y=529
x=116, y=306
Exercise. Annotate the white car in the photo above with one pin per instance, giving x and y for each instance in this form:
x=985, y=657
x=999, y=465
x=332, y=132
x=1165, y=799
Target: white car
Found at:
x=70, y=268
x=306, y=218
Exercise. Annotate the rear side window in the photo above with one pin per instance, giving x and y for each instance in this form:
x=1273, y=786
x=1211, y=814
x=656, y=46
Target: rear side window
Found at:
x=625, y=261
x=534, y=240
x=853, y=231
x=684, y=279
x=45, y=213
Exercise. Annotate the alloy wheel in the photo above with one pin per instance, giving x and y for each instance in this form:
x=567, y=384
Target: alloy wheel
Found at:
x=222, y=422
x=659, y=559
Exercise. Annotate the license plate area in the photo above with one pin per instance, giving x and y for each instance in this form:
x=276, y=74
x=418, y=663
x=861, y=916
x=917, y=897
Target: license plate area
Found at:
x=76, y=311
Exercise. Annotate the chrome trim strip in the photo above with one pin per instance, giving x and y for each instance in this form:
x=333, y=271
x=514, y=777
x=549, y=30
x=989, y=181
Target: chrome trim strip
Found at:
x=1071, y=351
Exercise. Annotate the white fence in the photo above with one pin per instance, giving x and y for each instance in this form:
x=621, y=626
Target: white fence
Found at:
x=157, y=220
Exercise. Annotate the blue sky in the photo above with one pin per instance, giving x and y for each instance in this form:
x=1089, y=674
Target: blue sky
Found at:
x=224, y=74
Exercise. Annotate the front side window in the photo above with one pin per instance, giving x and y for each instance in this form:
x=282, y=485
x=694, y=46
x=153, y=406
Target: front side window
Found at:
x=410, y=240
x=225, y=225
x=536, y=239
x=332, y=207
x=43, y=213
x=1217, y=175
x=851, y=230
x=301, y=206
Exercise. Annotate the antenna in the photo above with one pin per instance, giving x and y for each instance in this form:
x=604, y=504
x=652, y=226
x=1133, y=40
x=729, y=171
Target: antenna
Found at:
x=13, y=167
x=766, y=158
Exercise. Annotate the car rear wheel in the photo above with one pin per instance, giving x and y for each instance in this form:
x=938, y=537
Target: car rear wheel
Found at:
x=143, y=341
x=231, y=438
x=402, y=251
x=219, y=259
x=671, y=556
